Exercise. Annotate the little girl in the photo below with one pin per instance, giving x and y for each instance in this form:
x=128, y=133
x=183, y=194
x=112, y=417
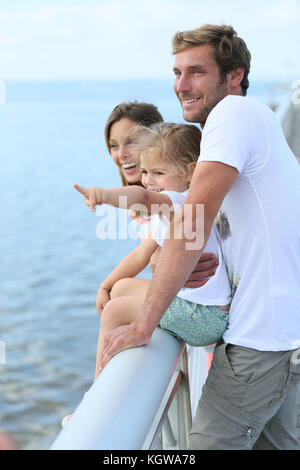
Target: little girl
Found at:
x=199, y=316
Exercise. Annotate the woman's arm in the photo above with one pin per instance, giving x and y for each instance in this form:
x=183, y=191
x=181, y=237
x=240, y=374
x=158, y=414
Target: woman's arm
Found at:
x=125, y=197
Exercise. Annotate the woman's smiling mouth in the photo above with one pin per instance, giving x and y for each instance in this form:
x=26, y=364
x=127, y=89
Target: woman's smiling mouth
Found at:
x=130, y=167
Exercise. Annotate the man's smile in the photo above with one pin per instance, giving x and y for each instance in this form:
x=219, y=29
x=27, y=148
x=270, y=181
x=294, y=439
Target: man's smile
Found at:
x=188, y=101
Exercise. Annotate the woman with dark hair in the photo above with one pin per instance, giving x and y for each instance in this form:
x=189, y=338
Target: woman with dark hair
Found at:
x=119, y=139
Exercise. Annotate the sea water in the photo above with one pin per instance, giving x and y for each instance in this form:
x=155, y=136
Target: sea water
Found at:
x=52, y=261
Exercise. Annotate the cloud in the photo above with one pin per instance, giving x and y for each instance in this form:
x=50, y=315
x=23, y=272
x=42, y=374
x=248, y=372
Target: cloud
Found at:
x=117, y=39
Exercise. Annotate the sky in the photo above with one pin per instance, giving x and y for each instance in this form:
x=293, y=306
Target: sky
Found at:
x=127, y=39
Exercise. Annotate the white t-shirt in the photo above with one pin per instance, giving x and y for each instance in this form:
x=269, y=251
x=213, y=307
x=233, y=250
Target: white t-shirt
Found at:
x=259, y=223
x=217, y=290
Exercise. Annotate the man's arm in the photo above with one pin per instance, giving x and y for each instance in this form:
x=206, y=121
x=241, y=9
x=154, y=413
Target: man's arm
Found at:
x=210, y=184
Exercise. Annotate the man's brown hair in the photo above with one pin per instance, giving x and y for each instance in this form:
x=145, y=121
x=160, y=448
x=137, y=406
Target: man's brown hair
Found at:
x=230, y=51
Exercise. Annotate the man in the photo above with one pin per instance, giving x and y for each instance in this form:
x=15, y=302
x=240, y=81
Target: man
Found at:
x=246, y=174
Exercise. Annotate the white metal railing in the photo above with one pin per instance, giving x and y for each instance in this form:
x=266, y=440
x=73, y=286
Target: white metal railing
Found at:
x=141, y=400
x=286, y=113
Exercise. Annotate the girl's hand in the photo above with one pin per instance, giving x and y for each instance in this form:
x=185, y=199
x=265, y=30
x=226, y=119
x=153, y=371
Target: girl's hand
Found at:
x=102, y=298
x=92, y=196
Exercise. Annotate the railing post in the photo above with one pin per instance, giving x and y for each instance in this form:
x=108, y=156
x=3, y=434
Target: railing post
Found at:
x=184, y=404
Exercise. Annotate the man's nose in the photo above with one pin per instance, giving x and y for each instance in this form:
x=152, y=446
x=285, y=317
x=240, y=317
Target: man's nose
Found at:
x=182, y=84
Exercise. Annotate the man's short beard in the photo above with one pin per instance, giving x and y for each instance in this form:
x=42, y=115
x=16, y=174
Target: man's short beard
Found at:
x=220, y=92
x=203, y=114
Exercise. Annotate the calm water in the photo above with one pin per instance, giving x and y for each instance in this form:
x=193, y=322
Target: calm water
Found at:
x=51, y=136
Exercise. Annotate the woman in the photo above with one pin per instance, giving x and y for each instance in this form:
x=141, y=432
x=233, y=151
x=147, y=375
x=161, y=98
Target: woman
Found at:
x=118, y=132
x=120, y=124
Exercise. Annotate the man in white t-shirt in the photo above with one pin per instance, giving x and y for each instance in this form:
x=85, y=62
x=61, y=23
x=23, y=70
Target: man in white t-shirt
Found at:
x=249, y=180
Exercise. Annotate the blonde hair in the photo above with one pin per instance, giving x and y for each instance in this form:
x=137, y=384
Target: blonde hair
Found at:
x=177, y=143
x=230, y=51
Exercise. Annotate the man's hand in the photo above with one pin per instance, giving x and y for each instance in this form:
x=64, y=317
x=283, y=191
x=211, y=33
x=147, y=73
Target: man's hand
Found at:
x=92, y=196
x=205, y=268
x=123, y=337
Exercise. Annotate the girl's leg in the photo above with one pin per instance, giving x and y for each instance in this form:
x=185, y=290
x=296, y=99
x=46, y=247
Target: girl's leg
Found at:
x=117, y=312
x=129, y=286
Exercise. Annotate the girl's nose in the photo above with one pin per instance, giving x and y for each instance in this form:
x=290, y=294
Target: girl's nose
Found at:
x=147, y=179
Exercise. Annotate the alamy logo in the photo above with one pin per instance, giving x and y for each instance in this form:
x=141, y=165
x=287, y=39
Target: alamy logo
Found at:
x=115, y=226
x=2, y=353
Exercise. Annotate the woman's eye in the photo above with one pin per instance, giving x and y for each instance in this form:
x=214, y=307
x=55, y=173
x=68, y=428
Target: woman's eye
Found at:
x=158, y=173
x=114, y=146
x=144, y=172
x=130, y=142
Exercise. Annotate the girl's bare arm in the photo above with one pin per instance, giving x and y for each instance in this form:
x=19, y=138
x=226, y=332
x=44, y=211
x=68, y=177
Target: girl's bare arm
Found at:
x=132, y=264
x=125, y=197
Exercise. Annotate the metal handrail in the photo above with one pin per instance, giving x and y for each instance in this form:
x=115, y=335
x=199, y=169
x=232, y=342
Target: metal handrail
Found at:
x=286, y=114
x=119, y=410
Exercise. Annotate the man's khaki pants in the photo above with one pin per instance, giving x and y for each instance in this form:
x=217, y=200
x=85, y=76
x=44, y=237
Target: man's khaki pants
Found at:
x=248, y=401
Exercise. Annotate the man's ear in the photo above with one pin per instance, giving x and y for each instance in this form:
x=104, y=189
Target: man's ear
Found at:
x=235, y=77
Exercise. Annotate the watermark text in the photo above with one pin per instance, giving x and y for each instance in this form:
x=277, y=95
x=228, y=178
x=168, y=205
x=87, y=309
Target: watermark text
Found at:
x=188, y=223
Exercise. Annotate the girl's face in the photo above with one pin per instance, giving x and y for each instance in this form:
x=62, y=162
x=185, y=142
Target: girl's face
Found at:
x=159, y=175
x=123, y=149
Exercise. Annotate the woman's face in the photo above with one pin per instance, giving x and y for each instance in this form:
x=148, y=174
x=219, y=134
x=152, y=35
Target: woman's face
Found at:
x=124, y=150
